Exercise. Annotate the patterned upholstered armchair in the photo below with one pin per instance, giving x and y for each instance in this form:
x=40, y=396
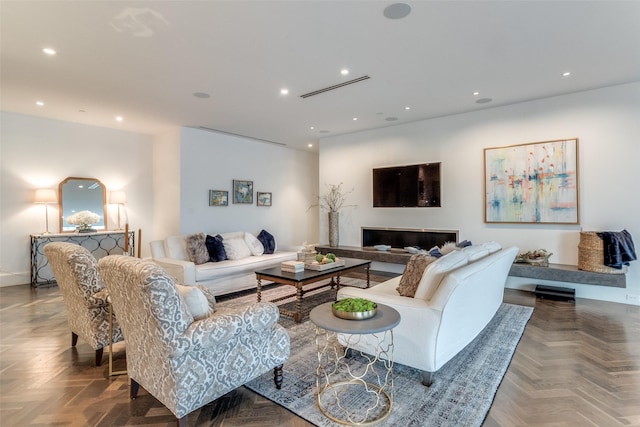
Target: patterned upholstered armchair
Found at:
x=84, y=294
x=183, y=362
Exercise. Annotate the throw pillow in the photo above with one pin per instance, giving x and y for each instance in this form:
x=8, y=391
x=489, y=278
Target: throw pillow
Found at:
x=413, y=273
x=448, y=247
x=236, y=248
x=195, y=300
x=492, y=246
x=476, y=252
x=215, y=248
x=268, y=242
x=196, y=249
x=434, y=273
x=254, y=244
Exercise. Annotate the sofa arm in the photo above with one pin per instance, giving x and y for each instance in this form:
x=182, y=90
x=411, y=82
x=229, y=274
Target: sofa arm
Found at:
x=211, y=331
x=183, y=272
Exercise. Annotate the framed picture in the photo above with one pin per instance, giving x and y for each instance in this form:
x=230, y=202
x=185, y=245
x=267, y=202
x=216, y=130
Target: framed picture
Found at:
x=242, y=191
x=532, y=183
x=264, y=199
x=218, y=198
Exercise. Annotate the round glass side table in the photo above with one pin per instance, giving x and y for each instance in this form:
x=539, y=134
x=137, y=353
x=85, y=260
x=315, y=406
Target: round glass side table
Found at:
x=354, y=388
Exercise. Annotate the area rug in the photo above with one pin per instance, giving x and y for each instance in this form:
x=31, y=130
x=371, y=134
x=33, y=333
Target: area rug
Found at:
x=461, y=395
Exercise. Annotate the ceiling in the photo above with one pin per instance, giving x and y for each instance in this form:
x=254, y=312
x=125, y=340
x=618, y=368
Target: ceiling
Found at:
x=144, y=61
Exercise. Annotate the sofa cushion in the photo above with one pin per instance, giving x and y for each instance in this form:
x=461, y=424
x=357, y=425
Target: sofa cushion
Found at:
x=176, y=248
x=196, y=301
x=476, y=252
x=413, y=274
x=236, y=248
x=215, y=247
x=268, y=242
x=435, y=271
x=492, y=246
x=254, y=244
x=196, y=248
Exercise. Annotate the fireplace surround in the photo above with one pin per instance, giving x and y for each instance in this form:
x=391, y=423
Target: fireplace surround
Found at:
x=400, y=238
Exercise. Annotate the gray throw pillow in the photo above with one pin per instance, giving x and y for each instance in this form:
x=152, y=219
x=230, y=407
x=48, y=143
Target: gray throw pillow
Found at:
x=196, y=248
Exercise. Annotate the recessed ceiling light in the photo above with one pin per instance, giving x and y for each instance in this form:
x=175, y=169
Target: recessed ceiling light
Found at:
x=355, y=118
x=344, y=72
x=39, y=103
x=311, y=127
x=397, y=11
x=284, y=91
x=49, y=51
x=566, y=74
x=119, y=118
x=407, y=108
x=476, y=93
x=202, y=95
x=310, y=145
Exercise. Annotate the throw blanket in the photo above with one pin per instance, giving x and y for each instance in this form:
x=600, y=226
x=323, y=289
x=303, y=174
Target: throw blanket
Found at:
x=618, y=248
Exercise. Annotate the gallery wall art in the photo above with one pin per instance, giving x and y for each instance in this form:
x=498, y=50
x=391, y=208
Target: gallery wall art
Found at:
x=532, y=183
x=242, y=191
x=218, y=198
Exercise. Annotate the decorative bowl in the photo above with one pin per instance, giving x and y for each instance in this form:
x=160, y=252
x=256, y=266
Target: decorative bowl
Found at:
x=354, y=315
x=359, y=309
x=382, y=247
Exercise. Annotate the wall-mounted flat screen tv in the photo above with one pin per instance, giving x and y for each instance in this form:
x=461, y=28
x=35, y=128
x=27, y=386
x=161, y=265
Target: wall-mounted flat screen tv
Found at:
x=407, y=186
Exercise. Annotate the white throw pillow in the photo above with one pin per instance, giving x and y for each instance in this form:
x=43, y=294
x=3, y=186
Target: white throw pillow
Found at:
x=492, y=246
x=254, y=244
x=197, y=303
x=236, y=248
x=435, y=271
x=476, y=252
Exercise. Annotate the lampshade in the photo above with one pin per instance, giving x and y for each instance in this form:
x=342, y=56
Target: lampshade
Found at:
x=46, y=195
x=117, y=197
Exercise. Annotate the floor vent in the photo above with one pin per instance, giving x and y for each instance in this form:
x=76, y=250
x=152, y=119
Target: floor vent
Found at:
x=327, y=89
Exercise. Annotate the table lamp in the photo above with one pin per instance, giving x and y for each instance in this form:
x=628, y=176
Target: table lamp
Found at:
x=118, y=198
x=46, y=196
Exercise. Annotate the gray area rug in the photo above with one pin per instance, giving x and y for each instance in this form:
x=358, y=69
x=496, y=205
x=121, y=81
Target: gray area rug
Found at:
x=462, y=394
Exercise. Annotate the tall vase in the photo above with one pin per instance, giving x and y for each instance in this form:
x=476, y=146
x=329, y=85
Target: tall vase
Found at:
x=334, y=229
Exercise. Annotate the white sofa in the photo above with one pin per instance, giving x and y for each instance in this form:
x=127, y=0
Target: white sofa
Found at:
x=433, y=330
x=220, y=277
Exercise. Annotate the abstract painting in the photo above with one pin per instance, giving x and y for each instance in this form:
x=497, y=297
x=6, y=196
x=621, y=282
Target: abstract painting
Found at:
x=242, y=191
x=532, y=183
x=218, y=198
x=264, y=199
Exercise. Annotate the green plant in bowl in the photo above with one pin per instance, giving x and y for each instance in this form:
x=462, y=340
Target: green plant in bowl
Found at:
x=354, y=308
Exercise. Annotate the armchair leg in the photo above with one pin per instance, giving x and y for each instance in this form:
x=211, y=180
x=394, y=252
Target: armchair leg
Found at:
x=277, y=376
x=74, y=339
x=427, y=378
x=182, y=422
x=99, y=356
x=134, y=389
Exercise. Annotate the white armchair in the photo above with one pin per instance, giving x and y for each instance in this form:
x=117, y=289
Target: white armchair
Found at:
x=434, y=330
x=183, y=362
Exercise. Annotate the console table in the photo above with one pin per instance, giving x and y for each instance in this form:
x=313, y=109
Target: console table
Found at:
x=99, y=243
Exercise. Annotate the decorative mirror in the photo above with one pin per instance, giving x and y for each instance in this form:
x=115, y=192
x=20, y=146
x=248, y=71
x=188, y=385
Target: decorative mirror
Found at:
x=78, y=195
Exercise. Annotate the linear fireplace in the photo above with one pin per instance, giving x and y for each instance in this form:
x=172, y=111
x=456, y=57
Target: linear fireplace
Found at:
x=403, y=237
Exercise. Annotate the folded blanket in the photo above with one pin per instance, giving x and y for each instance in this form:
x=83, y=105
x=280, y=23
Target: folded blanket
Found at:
x=618, y=248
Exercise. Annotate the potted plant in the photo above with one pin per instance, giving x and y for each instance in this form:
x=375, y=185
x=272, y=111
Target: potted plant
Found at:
x=333, y=200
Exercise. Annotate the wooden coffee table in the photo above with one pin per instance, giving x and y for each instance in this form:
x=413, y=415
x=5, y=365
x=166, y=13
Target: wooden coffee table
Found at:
x=306, y=277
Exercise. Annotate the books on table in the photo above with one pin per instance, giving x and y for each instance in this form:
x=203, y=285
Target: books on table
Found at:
x=292, y=266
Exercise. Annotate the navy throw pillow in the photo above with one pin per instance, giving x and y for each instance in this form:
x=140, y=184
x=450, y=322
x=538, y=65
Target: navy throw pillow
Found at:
x=268, y=241
x=215, y=248
x=464, y=244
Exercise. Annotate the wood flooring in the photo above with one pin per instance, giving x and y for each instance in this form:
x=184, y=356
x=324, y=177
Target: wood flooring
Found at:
x=577, y=364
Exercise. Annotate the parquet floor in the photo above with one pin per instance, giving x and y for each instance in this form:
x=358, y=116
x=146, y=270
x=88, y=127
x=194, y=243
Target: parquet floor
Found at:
x=576, y=365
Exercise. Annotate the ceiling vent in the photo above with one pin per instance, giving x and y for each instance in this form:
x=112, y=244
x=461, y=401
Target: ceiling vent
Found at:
x=327, y=89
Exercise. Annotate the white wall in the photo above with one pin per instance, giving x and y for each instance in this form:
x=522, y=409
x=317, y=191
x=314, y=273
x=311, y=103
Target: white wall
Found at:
x=606, y=121
x=212, y=160
x=39, y=153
